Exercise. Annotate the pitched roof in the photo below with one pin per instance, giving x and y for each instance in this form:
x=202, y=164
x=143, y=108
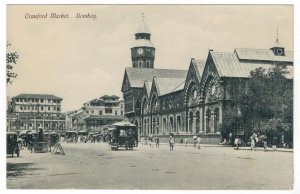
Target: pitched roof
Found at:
x=100, y=117
x=199, y=67
x=229, y=65
x=137, y=76
x=168, y=85
x=142, y=43
x=148, y=86
x=38, y=96
x=263, y=55
x=142, y=27
x=109, y=97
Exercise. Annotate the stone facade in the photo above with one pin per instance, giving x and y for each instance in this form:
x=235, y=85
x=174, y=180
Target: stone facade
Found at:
x=163, y=101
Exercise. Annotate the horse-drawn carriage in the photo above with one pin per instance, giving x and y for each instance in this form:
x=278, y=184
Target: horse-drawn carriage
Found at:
x=12, y=146
x=45, y=141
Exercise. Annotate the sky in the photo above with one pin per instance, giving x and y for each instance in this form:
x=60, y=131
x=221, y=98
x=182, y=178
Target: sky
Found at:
x=83, y=59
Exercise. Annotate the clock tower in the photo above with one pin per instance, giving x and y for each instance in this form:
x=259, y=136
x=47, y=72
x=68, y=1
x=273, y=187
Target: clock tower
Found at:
x=277, y=49
x=142, y=51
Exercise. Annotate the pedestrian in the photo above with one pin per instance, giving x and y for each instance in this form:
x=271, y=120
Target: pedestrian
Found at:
x=157, y=141
x=265, y=145
x=198, y=141
x=195, y=140
x=230, y=138
x=150, y=141
x=252, y=143
x=171, y=142
x=186, y=142
x=236, y=142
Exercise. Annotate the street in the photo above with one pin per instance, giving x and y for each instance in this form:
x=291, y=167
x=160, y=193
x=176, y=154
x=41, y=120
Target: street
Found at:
x=95, y=166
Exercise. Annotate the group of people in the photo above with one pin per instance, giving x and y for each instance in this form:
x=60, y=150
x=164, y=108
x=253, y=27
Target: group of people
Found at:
x=253, y=141
x=155, y=140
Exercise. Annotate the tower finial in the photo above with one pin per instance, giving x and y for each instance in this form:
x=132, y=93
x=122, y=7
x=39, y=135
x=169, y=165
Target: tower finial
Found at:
x=277, y=36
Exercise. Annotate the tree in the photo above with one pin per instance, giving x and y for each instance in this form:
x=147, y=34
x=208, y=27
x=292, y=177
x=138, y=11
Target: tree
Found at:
x=11, y=60
x=267, y=104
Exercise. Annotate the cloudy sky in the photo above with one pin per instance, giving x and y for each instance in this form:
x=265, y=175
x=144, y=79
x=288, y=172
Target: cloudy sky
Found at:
x=83, y=59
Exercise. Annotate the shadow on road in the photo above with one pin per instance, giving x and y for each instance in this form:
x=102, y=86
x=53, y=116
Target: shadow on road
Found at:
x=14, y=170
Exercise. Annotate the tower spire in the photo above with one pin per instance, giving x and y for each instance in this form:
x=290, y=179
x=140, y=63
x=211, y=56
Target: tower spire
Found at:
x=143, y=16
x=142, y=51
x=277, y=36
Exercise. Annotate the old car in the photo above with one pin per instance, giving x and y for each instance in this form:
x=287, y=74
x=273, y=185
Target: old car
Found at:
x=123, y=134
x=12, y=144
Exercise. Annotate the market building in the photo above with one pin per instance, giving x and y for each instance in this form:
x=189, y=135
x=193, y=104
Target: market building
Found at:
x=193, y=101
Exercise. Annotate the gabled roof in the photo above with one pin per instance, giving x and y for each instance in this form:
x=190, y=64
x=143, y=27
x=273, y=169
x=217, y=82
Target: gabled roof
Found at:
x=147, y=86
x=229, y=65
x=38, y=96
x=168, y=85
x=263, y=55
x=199, y=67
x=137, y=76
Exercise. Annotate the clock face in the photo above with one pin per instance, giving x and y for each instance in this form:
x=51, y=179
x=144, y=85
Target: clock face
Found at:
x=279, y=51
x=214, y=89
x=140, y=51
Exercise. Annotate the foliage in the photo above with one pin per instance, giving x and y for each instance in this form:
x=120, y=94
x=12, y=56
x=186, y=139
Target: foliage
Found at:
x=229, y=123
x=11, y=60
x=268, y=101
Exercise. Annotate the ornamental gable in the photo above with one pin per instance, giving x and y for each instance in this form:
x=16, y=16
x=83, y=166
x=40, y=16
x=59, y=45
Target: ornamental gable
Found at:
x=210, y=72
x=125, y=84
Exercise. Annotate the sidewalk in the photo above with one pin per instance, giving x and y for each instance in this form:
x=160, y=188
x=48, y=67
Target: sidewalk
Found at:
x=268, y=149
x=216, y=145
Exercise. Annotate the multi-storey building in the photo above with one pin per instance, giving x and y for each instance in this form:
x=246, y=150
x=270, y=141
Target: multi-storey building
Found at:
x=31, y=111
x=97, y=113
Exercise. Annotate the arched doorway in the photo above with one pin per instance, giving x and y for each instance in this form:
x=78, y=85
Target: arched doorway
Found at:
x=178, y=123
x=171, y=124
x=137, y=126
x=144, y=126
x=197, y=122
x=216, y=120
x=153, y=125
x=208, y=119
x=164, y=125
x=191, y=120
x=157, y=125
x=148, y=126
